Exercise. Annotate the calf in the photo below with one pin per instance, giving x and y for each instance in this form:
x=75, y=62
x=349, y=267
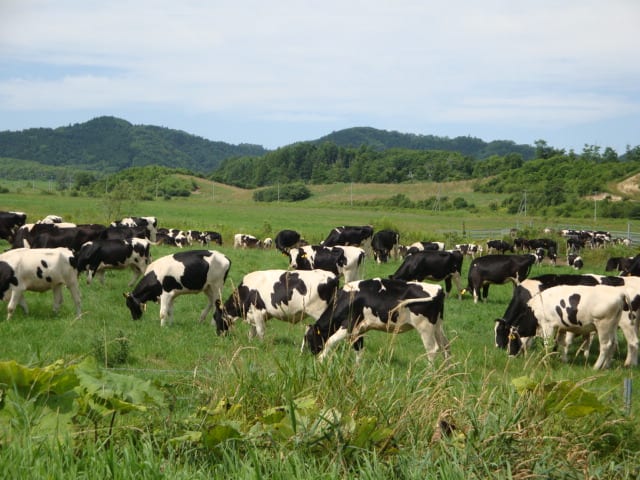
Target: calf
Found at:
x=97, y=256
x=281, y=294
x=499, y=246
x=286, y=240
x=392, y=306
x=384, y=244
x=578, y=309
x=344, y=261
x=497, y=269
x=242, y=240
x=188, y=272
x=38, y=270
x=432, y=265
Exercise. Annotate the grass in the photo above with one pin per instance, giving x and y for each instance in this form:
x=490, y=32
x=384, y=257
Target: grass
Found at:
x=499, y=432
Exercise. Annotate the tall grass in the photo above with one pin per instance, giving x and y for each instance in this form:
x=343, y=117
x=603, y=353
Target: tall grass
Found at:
x=393, y=414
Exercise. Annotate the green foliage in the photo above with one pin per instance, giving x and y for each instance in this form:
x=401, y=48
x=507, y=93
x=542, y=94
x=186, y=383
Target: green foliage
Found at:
x=111, y=352
x=293, y=192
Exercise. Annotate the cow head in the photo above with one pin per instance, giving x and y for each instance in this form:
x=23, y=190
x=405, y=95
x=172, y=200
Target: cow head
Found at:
x=313, y=339
x=507, y=337
x=135, y=307
x=222, y=319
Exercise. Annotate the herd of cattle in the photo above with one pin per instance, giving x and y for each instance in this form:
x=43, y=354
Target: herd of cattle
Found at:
x=50, y=254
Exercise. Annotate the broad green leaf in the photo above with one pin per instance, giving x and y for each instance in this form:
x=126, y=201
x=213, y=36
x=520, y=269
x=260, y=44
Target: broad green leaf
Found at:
x=524, y=384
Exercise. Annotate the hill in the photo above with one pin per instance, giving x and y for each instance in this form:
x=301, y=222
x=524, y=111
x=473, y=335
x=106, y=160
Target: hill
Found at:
x=384, y=139
x=109, y=144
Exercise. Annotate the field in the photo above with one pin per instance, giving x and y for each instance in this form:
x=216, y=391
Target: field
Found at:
x=240, y=408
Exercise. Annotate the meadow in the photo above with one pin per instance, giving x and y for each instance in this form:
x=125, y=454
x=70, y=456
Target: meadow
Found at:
x=234, y=407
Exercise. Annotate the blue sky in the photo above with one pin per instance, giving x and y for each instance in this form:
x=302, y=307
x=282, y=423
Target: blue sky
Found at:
x=274, y=73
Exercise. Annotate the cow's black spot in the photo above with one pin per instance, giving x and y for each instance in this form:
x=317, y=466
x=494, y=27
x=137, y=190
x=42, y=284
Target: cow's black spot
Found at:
x=48, y=279
x=44, y=263
x=39, y=272
x=283, y=289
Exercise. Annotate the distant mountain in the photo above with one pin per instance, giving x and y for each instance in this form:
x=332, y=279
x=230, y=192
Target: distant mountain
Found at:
x=109, y=144
x=384, y=140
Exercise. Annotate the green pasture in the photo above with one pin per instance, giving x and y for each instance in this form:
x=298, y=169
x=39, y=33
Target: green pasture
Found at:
x=378, y=419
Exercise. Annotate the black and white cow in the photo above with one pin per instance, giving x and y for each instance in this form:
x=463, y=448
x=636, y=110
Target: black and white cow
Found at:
x=359, y=236
x=38, y=270
x=286, y=240
x=189, y=272
x=470, y=249
x=52, y=235
x=10, y=222
x=282, y=294
x=209, y=236
x=579, y=309
x=621, y=264
x=384, y=244
x=422, y=246
x=497, y=269
x=150, y=224
x=243, y=240
x=392, y=306
x=99, y=255
x=345, y=261
x=499, y=246
x=432, y=265
x=574, y=260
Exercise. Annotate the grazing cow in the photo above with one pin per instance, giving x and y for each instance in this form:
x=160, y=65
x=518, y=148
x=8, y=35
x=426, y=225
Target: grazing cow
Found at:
x=282, y=294
x=38, y=270
x=211, y=236
x=521, y=245
x=189, y=272
x=99, y=255
x=497, y=269
x=578, y=309
x=575, y=243
x=432, y=265
x=470, y=249
x=10, y=222
x=392, y=306
x=574, y=260
x=384, y=244
x=150, y=224
x=344, y=261
x=421, y=246
x=52, y=235
x=621, y=264
x=122, y=232
x=499, y=246
x=350, y=236
x=633, y=268
x=51, y=219
x=242, y=240
x=286, y=240
x=267, y=242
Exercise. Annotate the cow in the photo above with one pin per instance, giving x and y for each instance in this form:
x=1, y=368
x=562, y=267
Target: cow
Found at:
x=470, y=249
x=282, y=294
x=574, y=260
x=188, y=272
x=578, y=309
x=344, y=261
x=51, y=219
x=633, y=268
x=210, y=236
x=350, y=236
x=242, y=240
x=150, y=224
x=267, y=242
x=122, y=232
x=497, y=269
x=385, y=244
x=499, y=246
x=286, y=240
x=38, y=270
x=432, y=265
x=99, y=255
x=52, y=235
x=621, y=264
x=521, y=244
x=392, y=306
x=10, y=222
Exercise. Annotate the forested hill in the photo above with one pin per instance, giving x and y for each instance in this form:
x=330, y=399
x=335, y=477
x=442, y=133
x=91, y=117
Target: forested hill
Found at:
x=109, y=144
x=384, y=139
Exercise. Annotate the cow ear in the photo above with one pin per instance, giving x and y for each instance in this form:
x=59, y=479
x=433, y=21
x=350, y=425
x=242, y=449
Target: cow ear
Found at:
x=144, y=307
x=126, y=294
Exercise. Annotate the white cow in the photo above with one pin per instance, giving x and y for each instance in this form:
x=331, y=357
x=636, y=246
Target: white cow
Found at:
x=37, y=270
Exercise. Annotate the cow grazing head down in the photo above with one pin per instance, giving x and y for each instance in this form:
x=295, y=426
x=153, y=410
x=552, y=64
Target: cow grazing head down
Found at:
x=136, y=307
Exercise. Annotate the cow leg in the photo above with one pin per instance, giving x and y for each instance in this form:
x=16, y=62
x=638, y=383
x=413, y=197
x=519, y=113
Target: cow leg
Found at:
x=607, y=344
x=100, y=276
x=485, y=292
x=257, y=321
x=17, y=298
x=341, y=334
x=447, y=285
x=165, y=309
x=137, y=273
x=210, y=292
x=631, y=335
x=57, y=298
x=430, y=339
x=456, y=280
x=74, y=290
